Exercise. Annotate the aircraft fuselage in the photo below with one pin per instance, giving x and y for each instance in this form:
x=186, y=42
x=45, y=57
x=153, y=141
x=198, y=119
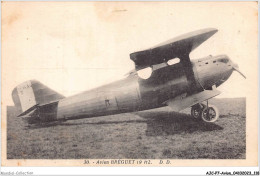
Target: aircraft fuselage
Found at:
x=135, y=94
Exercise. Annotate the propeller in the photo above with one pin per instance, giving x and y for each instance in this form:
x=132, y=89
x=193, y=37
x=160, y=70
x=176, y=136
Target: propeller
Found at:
x=236, y=68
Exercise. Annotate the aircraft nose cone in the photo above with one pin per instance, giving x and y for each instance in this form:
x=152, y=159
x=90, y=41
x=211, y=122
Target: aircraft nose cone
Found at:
x=236, y=68
x=235, y=65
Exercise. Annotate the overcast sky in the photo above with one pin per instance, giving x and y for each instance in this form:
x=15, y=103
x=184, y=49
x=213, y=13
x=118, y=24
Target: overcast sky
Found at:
x=75, y=46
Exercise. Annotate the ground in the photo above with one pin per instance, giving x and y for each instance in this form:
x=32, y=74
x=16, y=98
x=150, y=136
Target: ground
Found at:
x=152, y=134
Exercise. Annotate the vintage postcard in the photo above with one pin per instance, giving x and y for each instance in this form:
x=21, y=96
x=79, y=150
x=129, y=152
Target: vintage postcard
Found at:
x=129, y=84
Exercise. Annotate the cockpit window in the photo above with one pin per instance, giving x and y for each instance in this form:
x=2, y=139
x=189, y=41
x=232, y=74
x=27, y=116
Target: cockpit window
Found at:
x=224, y=60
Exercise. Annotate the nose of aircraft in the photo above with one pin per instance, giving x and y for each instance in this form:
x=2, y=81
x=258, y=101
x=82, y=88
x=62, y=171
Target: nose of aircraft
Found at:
x=215, y=70
x=235, y=65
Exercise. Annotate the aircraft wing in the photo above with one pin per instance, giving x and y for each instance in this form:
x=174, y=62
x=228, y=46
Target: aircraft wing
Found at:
x=179, y=103
x=177, y=47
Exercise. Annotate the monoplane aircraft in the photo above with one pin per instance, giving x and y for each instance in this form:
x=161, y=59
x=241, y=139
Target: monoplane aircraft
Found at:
x=175, y=81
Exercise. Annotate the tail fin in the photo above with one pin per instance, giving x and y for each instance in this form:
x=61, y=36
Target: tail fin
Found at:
x=31, y=93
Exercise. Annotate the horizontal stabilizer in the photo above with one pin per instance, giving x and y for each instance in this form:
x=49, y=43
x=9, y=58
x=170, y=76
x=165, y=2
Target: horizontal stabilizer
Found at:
x=29, y=114
x=28, y=111
x=179, y=103
x=40, y=113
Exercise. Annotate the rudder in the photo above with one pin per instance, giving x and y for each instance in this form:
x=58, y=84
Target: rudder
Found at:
x=30, y=93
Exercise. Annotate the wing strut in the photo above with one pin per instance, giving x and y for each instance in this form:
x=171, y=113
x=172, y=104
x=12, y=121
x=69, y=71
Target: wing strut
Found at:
x=188, y=69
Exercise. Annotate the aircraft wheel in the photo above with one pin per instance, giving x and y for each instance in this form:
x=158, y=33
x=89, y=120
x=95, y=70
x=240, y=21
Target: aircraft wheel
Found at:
x=210, y=114
x=196, y=111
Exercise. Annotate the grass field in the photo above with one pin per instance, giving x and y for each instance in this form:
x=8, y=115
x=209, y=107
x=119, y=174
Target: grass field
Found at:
x=153, y=134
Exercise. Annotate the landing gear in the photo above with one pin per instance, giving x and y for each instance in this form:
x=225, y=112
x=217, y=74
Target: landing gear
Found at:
x=210, y=114
x=207, y=113
x=196, y=111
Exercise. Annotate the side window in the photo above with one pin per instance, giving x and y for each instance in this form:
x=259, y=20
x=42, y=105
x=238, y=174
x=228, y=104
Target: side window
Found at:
x=173, y=61
x=145, y=73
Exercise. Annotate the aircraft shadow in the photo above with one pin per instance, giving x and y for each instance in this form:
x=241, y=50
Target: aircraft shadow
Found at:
x=159, y=123
x=73, y=123
x=163, y=123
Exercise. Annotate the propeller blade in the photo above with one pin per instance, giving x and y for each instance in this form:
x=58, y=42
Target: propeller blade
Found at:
x=236, y=69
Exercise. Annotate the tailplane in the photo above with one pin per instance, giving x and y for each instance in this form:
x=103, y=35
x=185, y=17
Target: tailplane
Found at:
x=30, y=95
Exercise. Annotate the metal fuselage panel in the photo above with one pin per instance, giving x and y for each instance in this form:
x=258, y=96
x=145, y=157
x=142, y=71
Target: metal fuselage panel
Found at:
x=213, y=70
x=117, y=97
x=127, y=95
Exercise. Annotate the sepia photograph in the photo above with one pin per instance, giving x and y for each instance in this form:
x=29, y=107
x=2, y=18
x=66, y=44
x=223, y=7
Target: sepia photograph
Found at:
x=129, y=83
